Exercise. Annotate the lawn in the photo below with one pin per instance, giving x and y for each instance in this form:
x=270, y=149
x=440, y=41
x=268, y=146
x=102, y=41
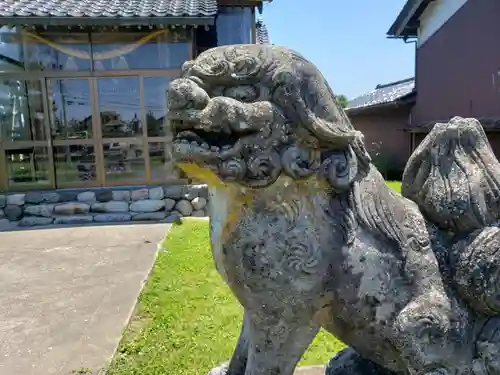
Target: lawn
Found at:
x=396, y=185
x=186, y=320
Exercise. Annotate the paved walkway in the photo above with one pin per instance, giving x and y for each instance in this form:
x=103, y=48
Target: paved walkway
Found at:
x=67, y=293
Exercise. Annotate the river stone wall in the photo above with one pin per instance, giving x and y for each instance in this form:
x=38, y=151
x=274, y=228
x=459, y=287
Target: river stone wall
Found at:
x=102, y=205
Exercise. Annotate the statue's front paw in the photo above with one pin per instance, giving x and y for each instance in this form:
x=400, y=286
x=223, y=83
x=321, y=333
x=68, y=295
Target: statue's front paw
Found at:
x=348, y=362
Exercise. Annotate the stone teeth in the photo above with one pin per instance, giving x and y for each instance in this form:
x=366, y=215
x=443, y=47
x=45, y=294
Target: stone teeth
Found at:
x=194, y=143
x=214, y=148
x=205, y=146
x=226, y=147
x=184, y=141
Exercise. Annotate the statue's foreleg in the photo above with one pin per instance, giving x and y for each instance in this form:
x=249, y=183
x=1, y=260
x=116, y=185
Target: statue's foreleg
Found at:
x=238, y=362
x=277, y=342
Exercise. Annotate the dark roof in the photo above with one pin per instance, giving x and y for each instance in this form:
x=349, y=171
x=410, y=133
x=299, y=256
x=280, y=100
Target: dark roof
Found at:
x=383, y=94
x=406, y=24
x=262, y=32
x=103, y=11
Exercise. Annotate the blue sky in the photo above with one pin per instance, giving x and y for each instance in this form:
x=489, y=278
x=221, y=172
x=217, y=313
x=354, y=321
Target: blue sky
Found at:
x=345, y=39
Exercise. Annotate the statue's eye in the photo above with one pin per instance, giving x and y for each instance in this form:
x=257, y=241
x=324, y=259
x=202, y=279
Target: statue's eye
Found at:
x=245, y=66
x=243, y=93
x=220, y=67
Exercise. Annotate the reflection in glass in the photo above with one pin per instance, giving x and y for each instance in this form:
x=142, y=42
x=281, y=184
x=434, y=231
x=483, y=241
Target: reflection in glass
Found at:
x=28, y=166
x=69, y=104
x=21, y=110
x=120, y=107
x=155, y=103
x=160, y=161
x=138, y=50
x=234, y=26
x=11, y=50
x=67, y=52
x=124, y=162
x=176, y=54
x=74, y=163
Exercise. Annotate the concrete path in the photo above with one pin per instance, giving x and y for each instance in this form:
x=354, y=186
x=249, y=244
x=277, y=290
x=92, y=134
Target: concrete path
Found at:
x=67, y=293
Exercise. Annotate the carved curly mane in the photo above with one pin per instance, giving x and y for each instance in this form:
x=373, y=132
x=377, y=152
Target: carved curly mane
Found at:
x=363, y=198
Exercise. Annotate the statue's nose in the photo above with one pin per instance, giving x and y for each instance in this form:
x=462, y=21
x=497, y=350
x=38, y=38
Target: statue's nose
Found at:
x=185, y=94
x=187, y=66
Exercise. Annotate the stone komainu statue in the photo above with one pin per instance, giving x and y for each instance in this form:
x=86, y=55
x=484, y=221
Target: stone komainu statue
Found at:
x=307, y=235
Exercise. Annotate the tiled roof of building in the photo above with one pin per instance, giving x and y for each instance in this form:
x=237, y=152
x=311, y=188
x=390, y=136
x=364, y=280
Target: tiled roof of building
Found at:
x=383, y=94
x=105, y=9
x=262, y=33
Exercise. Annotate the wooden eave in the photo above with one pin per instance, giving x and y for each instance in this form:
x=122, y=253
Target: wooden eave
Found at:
x=407, y=22
x=242, y=2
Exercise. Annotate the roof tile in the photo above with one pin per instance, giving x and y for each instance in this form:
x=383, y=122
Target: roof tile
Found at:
x=262, y=32
x=108, y=8
x=383, y=94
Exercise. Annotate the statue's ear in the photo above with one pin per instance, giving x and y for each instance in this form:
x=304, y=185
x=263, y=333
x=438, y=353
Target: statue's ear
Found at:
x=342, y=168
x=310, y=101
x=335, y=135
x=323, y=114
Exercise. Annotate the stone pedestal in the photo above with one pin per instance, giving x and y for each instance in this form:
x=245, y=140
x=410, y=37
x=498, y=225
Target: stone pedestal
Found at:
x=308, y=370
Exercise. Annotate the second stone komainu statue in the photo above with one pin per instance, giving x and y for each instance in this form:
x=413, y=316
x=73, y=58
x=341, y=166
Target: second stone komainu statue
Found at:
x=307, y=235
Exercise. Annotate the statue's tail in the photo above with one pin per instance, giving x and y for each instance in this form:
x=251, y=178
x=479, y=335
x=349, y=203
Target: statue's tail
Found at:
x=475, y=264
x=454, y=177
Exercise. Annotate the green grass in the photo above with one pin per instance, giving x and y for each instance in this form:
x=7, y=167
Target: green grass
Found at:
x=396, y=185
x=187, y=320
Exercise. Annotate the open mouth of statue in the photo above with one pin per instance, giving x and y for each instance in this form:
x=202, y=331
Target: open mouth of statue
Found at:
x=213, y=141
x=191, y=142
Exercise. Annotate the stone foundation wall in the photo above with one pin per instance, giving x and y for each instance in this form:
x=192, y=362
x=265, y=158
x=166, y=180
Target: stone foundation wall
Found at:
x=102, y=205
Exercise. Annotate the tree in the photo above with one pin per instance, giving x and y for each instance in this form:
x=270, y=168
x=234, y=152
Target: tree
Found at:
x=342, y=99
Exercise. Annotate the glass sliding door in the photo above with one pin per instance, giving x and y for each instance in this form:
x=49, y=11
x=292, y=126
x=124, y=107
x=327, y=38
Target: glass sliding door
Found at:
x=23, y=135
x=73, y=132
x=159, y=133
x=109, y=131
x=87, y=108
x=85, y=131
x=119, y=105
